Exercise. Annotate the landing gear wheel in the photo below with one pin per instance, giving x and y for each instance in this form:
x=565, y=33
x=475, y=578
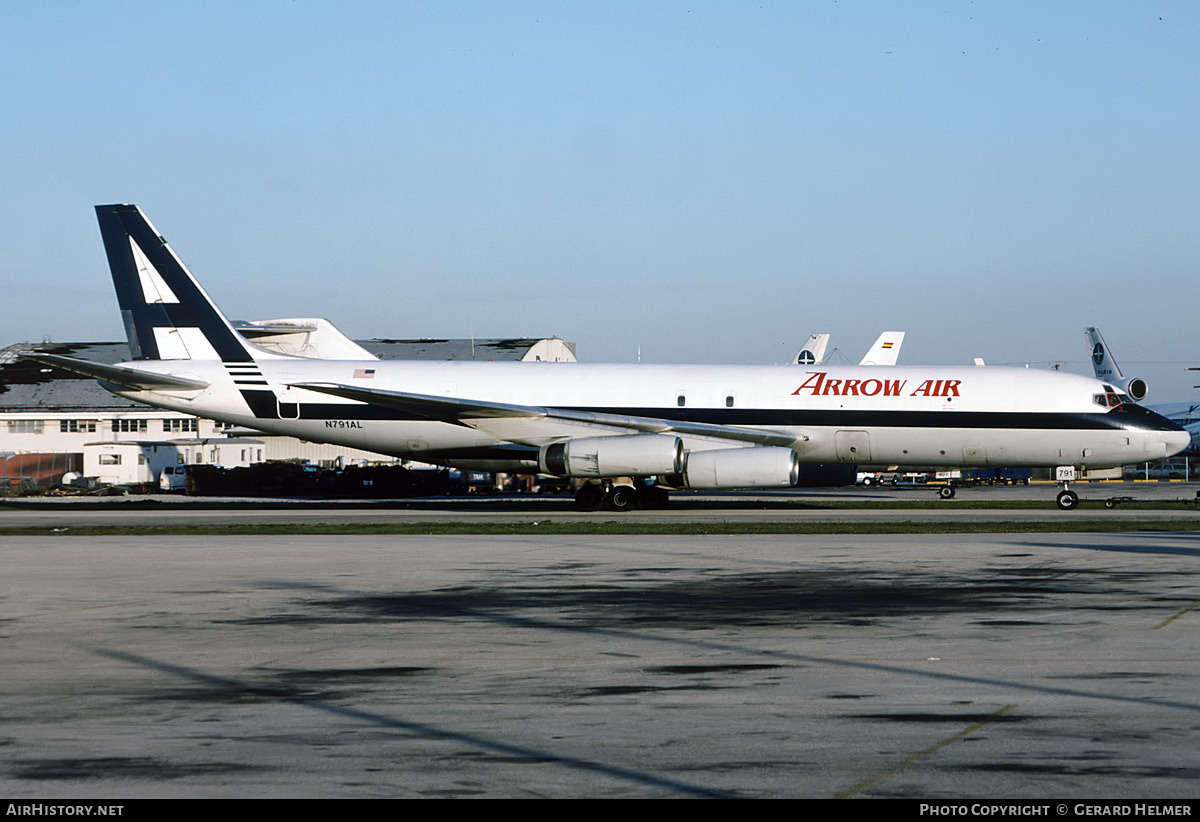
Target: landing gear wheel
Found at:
x=1067, y=500
x=946, y=492
x=589, y=497
x=621, y=497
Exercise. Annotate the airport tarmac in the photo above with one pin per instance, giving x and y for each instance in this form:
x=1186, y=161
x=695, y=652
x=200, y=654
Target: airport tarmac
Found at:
x=1180, y=504
x=928, y=666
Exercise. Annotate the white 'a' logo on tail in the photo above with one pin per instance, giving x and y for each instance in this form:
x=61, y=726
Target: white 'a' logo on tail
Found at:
x=154, y=287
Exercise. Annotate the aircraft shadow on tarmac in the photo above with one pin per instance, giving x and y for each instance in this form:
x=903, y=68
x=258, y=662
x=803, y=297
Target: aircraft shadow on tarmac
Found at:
x=659, y=606
x=791, y=599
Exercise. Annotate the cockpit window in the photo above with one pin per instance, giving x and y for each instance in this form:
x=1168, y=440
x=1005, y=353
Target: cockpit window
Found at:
x=1110, y=400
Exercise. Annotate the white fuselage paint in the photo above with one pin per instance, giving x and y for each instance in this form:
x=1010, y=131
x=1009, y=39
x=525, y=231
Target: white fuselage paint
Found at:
x=1030, y=417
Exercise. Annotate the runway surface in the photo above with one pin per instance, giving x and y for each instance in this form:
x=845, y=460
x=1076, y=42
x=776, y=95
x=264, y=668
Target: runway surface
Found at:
x=1036, y=503
x=1022, y=666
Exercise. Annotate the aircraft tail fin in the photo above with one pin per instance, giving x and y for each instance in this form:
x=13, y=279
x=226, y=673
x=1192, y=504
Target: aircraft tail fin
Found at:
x=1107, y=370
x=886, y=349
x=813, y=352
x=167, y=315
x=1103, y=363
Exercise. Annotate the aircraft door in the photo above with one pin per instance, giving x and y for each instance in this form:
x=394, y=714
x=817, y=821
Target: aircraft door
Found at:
x=853, y=446
x=287, y=410
x=974, y=455
x=287, y=405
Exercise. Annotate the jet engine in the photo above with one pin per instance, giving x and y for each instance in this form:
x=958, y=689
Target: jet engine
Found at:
x=635, y=455
x=1135, y=387
x=756, y=467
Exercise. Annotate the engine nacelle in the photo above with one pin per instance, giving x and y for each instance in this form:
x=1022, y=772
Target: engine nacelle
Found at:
x=635, y=455
x=757, y=467
x=1136, y=388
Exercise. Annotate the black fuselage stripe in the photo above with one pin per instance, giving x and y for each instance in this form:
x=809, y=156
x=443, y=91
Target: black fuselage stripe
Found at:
x=265, y=405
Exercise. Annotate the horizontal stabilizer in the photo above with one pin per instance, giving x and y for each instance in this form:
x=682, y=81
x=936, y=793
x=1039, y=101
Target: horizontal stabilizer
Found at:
x=451, y=409
x=130, y=378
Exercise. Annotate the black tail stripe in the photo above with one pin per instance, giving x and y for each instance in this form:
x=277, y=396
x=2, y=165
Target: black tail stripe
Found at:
x=194, y=309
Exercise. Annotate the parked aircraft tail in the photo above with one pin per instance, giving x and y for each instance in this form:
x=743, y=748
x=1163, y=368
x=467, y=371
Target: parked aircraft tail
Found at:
x=167, y=315
x=1107, y=370
x=886, y=349
x=813, y=351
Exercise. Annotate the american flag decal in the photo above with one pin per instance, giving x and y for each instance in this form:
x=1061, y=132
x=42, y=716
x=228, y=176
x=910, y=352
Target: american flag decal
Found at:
x=364, y=373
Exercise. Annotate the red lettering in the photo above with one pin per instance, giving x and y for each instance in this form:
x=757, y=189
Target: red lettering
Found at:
x=938, y=388
x=817, y=384
x=813, y=383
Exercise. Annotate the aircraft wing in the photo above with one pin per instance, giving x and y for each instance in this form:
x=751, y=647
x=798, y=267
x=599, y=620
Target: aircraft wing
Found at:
x=479, y=413
x=131, y=378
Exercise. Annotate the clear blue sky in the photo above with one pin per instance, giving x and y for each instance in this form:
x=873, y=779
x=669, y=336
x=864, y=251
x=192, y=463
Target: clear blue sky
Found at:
x=705, y=181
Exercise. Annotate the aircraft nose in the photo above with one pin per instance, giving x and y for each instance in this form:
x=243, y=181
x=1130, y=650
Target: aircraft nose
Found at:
x=1176, y=441
x=1163, y=437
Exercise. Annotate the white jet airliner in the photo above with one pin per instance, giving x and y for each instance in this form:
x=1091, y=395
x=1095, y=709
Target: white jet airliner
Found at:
x=632, y=430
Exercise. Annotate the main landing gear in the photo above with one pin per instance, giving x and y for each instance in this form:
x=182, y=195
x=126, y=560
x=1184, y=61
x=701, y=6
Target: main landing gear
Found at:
x=592, y=496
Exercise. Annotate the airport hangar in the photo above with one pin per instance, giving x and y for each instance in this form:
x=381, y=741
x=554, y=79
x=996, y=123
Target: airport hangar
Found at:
x=54, y=422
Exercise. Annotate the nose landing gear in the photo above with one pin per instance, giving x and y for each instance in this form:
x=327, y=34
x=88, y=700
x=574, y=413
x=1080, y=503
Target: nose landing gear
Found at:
x=1067, y=499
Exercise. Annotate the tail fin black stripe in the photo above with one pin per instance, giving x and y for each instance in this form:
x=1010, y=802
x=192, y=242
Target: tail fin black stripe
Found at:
x=119, y=224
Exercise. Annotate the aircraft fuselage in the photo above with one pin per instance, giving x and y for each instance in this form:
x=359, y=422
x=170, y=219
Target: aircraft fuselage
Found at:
x=928, y=416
